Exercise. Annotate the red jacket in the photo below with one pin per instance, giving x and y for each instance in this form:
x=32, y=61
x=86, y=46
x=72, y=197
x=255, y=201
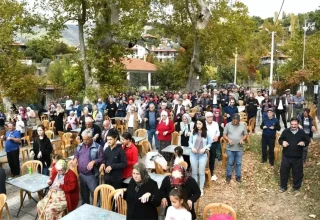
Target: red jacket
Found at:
x=132, y=158
x=70, y=188
x=162, y=127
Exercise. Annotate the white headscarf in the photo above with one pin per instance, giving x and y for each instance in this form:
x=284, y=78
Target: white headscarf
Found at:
x=166, y=114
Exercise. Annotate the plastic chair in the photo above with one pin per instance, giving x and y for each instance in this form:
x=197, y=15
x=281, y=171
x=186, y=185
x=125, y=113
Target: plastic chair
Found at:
x=159, y=169
x=51, y=126
x=120, y=203
x=2, y=159
x=45, y=124
x=25, y=149
x=218, y=208
x=34, y=164
x=184, y=164
x=73, y=168
x=50, y=134
x=119, y=126
x=252, y=123
x=141, y=133
x=175, y=138
x=146, y=146
x=3, y=203
x=105, y=191
x=207, y=170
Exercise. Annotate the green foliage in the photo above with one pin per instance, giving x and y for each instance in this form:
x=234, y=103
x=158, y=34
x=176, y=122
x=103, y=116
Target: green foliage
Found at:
x=169, y=76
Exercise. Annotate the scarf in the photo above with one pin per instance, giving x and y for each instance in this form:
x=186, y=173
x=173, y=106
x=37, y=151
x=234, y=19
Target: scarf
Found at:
x=178, y=176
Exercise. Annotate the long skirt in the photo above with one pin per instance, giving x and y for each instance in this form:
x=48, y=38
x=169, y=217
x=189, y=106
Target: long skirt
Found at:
x=53, y=209
x=162, y=145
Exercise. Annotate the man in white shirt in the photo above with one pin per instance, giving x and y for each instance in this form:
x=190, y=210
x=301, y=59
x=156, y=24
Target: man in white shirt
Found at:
x=280, y=104
x=131, y=104
x=215, y=99
x=260, y=98
x=133, y=119
x=69, y=104
x=214, y=133
x=186, y=102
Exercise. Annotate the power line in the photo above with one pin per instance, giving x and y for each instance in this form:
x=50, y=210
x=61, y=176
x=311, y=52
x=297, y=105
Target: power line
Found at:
x=279, y=11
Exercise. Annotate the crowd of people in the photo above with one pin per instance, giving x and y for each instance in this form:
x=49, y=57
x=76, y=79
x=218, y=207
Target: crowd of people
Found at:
x=201, y=119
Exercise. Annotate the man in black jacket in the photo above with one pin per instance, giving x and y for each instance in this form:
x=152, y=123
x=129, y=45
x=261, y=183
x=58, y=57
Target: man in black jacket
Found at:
x=152, y=118
x=114, y=161
x=2, y=181
x=95, y=129
x=293, y=141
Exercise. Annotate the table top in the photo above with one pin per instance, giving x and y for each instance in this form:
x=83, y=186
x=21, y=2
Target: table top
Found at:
x=138, y=139
x=170, y=149
x=156, y=177
x=3, y=153
x=30, y=182
x=90, y=212
x=118, y=118
x=77, y=130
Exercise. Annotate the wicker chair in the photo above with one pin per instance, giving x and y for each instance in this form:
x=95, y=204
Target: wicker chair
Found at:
x=49, y=134
x=207, y=171
x=252, y=123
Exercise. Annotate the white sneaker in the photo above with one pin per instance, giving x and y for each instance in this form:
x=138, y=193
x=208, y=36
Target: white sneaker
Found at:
x=214, y=178
x=202, y=193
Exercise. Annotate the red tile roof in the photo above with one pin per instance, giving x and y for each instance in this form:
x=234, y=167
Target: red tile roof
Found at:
x=133, y=64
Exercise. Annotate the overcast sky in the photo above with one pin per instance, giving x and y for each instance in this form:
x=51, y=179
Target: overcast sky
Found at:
x=266, y=8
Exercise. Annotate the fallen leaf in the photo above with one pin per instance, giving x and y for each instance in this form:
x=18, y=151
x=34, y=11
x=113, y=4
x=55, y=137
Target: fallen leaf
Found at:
x=312, y=216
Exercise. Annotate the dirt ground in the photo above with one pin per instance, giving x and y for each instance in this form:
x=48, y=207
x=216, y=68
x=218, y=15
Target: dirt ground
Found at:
x=257, y=197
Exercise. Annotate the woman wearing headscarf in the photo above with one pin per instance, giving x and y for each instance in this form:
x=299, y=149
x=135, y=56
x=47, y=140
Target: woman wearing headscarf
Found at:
x=142, y=195
x=31, y=117
x=23, y=114
x=180, y=177
x=42, y=149
x=59, y=118
x=199, y=114
x=199, y=142
x=178, y=117
x=64, y=193
x=71, y=121
x=164, y=130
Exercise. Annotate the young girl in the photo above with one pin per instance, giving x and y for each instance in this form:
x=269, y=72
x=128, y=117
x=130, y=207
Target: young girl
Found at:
x=178, y=156
x=179, y=207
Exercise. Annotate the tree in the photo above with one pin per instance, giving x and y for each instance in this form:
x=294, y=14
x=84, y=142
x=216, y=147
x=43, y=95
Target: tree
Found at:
x=210, y=32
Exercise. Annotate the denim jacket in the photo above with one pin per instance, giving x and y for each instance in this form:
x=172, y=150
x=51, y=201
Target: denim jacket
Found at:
x=206, y=141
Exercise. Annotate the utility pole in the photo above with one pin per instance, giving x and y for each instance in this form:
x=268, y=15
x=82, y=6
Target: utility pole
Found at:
x=271, y=64
x=235, y=67
x=305, y=28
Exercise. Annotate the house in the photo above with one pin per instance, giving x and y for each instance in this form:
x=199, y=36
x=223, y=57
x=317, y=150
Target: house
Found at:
x=281, y=59
x=139, y=52
x=163, y=53
x=21, y=47
x=139, y=72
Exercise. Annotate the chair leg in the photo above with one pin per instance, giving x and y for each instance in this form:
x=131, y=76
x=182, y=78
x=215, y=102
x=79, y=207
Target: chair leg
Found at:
x=7, y=209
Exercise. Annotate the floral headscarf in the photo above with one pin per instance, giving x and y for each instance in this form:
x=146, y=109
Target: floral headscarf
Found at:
x=178, y=176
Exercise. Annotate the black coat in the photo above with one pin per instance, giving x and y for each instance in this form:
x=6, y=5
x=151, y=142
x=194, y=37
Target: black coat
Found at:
x=157, y=115
x=45, y=147
x=190, y=188
x=96, y=130
x=138, y=210
x=2, y=181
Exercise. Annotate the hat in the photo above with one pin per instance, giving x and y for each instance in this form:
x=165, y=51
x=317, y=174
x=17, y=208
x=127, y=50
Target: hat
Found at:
x=287, y=90
x=270, y=110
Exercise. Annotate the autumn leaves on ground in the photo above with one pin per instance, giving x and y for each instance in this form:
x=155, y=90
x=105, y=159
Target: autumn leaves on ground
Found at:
x=257, y=197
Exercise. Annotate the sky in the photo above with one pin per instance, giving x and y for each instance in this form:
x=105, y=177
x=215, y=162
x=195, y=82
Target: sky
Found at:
x=266, y=8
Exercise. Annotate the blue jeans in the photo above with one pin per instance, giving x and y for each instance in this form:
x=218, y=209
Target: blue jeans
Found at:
x=198, y=166
x=151, y=134
x=234, y=157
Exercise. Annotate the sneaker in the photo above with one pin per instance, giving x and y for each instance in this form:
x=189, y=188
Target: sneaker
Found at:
x=238, y=179
x=214, y=178
x=202, y=193
x=228, y=179
x=282, y=190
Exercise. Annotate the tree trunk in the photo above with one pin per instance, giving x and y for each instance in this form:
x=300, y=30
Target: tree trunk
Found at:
x=85, y=65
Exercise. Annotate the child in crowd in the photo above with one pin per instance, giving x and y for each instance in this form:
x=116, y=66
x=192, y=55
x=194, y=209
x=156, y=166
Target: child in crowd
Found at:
x=179, y=206
x=178, y=156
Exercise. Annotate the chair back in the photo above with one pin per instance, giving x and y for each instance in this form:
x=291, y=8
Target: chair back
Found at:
x=105, y=190
x=184, y=164
x=67, y=138
x=34, y=164
x=175, y=138
x=120, y=203
x=223, y=144
x=51, y=125
x=252, y=123
x=30, y=132
x=60, y=133
x=118, y=122
x=45, y=124
x=218, y=208
x=50, y=134
x=73, y=168
x=146, y=146
x=3, y=203
x=141, y=133
x=1, y=144
x=158, y=167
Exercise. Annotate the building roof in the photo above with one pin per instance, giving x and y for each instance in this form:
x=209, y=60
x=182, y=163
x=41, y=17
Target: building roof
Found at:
x=133, y=64
x=164, y=49
x=279, y=55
